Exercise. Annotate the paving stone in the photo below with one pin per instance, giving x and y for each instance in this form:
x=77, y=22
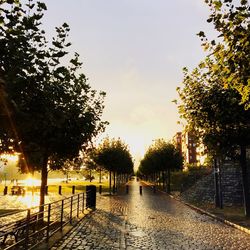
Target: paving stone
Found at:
x=150, y=221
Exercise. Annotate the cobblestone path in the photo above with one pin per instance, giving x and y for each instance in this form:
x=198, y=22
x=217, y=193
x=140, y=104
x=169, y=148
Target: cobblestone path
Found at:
x=150, y=221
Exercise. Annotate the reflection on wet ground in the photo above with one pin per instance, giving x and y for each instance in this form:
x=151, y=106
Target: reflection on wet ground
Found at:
x=150, y=221
x=20, y=202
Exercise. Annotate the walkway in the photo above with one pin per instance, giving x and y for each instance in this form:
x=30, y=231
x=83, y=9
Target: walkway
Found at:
x=150, y=221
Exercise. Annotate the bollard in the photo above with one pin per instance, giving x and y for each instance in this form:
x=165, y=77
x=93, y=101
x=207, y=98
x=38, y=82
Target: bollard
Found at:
x=100, y=189
x=46, y=190
x=73, y=189
x=5, y=191
x=60, y=190
x=140, y=190
x=126, y=189
x=91, y=196
x=154, y=189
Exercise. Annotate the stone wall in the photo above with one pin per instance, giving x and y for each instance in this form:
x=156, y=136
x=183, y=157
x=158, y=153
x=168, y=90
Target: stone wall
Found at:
x=204, y=189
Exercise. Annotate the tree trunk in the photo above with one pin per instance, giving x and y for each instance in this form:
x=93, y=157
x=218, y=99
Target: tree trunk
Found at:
x=114, y=182
x=67, y=176
x=163, y=180
x=44, y=178
x=110, y=182
x=246, y=194
x=100, y=176
x=168, y=185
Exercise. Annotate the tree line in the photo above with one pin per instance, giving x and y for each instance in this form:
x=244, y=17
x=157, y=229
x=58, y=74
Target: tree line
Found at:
x=114, y=156
x=159, y=160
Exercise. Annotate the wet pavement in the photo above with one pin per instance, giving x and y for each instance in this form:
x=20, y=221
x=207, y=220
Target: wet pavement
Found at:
x=150, y=221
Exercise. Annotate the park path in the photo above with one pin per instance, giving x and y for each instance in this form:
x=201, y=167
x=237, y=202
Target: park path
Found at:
x=149, y=221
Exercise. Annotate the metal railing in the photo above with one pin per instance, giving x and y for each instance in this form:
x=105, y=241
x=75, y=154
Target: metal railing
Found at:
x=41, y=222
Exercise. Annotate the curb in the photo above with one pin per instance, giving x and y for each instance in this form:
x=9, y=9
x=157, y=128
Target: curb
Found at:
x=227, y=222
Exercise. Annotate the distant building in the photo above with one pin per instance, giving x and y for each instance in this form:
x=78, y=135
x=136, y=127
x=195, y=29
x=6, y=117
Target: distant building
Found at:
x=189, y=148
x=191, y=152
x=177, y=141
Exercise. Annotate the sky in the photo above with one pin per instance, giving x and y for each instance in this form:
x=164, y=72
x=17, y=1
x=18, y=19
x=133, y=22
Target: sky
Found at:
x=134, y=50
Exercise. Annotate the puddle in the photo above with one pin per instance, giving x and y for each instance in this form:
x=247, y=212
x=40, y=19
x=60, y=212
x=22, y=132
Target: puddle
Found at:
x=138, y=233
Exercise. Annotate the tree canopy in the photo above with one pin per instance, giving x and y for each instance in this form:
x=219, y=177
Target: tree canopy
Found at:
x=113, y=155
x=48, y=111
x=231, y=19
x=213, y=112
x=160, y=157
x=215, y=95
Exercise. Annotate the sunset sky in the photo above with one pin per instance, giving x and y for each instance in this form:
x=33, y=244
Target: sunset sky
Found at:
x=135, y=51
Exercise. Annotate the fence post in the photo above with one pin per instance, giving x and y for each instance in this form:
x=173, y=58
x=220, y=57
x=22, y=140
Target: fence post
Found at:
x=27, y=229
x=73, y=189
x=71, y=209
x=60, y=190
x=100, y=189
x=78, y=204
x=83, y=203
x=48, y=223
x=62, y=207
x=46, y=190
x=5, y=191
x=91, y=196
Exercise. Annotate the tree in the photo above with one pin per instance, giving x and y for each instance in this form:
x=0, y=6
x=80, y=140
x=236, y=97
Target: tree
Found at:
x=48, y=110
x=114, y=156
x=216, y=115
x=161, y=158
x=231, y=51
x=210, y=102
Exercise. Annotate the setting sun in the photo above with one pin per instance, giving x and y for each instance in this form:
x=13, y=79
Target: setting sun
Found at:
x=31, y=182
x=9, y=157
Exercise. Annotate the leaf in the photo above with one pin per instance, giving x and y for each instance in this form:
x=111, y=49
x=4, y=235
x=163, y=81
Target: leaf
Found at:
x=42, y=5
x=201, y=34
x=217, y=5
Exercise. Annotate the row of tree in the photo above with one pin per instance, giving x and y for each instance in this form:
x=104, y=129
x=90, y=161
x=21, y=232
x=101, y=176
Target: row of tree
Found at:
x=48, y=111
x=112, y=155
x=215, y=95
x=158, y=162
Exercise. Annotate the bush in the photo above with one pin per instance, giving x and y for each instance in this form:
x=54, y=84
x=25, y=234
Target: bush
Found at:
x=182, y=180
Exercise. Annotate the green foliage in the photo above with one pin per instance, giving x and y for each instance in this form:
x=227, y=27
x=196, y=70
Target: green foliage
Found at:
x=48, y=110
x=231, y=51
x=183, y=180
x=113, y=155
x=213, y=112
x=215, y=96
x=160, y=156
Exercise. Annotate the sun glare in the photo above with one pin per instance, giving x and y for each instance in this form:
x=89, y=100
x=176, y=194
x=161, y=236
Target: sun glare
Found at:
x=9, y=157
x=30, y=200
x=31, y=182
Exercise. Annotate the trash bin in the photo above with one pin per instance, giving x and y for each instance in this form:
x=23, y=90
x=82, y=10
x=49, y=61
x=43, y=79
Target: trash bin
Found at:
x=91, y=196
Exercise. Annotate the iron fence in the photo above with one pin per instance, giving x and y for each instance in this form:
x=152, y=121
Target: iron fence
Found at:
x=38, y=224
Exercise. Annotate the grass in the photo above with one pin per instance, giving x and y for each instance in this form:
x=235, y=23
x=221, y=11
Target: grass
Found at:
x=234, y=214
x=80, y=186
